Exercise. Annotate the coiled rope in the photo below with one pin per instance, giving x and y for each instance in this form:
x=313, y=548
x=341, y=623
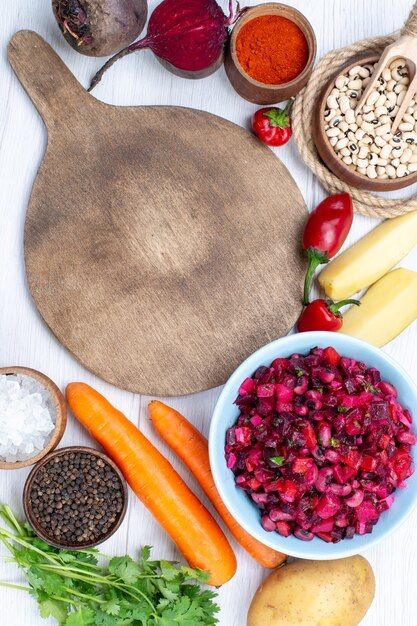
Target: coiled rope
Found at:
x=364, y=202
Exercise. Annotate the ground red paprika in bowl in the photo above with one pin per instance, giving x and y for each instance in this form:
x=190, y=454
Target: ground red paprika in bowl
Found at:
x=271, y=53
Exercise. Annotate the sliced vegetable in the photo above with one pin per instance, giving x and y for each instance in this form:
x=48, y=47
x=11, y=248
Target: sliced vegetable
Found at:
x=387, y=308
x=187, y=37
x=192, y=448
x=273, y=125
x=370, y=258
x=322, y=315
x=156, y=483
x=325, y=233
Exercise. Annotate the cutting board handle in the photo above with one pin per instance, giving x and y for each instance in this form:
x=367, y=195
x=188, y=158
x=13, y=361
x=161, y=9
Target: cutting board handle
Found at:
x=54, y=91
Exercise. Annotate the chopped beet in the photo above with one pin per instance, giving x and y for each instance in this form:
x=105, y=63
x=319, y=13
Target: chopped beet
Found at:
x=320, y=445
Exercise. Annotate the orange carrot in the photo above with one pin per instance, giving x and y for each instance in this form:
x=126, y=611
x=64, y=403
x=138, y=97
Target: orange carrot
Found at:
x=192, y=448
x=156, y=483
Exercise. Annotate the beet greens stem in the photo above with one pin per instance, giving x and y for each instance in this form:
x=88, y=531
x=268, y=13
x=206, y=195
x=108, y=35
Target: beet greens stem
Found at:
x=99, y=75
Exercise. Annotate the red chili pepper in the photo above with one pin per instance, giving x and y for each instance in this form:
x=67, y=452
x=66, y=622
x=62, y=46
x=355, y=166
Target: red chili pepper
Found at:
x=273, y=125
x=325, y=233
x=322, y=315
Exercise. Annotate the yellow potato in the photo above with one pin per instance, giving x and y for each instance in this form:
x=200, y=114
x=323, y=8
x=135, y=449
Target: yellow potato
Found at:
x=315, y=593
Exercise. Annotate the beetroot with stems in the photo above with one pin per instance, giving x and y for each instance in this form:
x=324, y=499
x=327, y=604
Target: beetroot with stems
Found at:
x=320, y=445
x=187, y=36
x=100, y=27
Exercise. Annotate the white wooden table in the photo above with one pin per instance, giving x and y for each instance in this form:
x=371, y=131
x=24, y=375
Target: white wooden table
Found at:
x=25, y=340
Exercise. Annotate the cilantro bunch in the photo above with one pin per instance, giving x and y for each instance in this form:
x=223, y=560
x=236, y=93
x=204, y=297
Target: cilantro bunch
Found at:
x=77, y=590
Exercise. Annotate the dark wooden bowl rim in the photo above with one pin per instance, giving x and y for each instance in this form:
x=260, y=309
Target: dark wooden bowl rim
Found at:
x=60, y=418
x=275, y=7
x=27, y=506
x=326, y=152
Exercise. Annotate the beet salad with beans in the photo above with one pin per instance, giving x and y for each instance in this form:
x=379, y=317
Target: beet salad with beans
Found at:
x=320, y=445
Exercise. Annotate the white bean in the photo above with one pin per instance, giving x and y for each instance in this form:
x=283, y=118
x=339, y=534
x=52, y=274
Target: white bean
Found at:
x=347, y=160
x=371, y=172
x=395, y=162
x=332, y=102
x=333, y=141
x=344, y=126
x=345, y=152
x=382, y=162
x=401, y=170
x=332, y=132
x=413, y=160
x=390, y=85
x=359, y=134
x=408, y=118
x=405, y=126
x=399, y=89
x=372, y=98
x=367, y=126
x=363, y=152
x=341, y=81
x=355, y=84
x=382, y=130
x=412, y=167
x=391, y=171
x=373, y=159
x=380, y=142
x=380, y=170
x=344, y=104
x=381, y=110
x=381, y=100
x=406, y=155
x=368, y=117
x=363, y=163
x=386, y=151
x=350, y=116
x=342, y=143
x=401, y=97
x=386, y=74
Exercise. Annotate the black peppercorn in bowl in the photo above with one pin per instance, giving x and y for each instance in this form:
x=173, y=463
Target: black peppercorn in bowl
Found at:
x=75, y=498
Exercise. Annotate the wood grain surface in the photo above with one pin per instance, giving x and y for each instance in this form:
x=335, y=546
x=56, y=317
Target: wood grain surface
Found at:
x=26, y=340
x=167, y=237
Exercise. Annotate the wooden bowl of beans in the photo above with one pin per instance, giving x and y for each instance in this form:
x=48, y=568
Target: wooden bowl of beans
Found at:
x=75, y=498
x=285, y=51
x=360, y=149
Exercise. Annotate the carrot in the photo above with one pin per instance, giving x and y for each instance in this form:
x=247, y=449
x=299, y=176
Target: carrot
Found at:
x=156, y=483
x=192, y=448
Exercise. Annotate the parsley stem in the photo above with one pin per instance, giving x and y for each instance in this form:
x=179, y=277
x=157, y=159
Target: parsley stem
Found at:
x=22, y=541
x=72, y=572
x=11, y=586
x=73, y=592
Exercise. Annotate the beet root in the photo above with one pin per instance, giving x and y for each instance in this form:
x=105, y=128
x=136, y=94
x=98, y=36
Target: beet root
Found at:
x=100, y=27
x=187, y=36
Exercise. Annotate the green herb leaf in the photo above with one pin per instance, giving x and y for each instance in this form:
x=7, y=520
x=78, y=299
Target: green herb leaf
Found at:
x=334, y=443
x=82, y=617
x=53, y=608
x=74, y=589
x=125, y=568
x=343, y=409
x=277, y=460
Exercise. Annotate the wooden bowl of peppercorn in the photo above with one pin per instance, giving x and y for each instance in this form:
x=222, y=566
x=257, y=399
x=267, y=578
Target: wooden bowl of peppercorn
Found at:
x=75, y=498
x=288, y=50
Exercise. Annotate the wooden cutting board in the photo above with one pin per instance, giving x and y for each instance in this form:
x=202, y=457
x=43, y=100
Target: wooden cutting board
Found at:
x=161, y=243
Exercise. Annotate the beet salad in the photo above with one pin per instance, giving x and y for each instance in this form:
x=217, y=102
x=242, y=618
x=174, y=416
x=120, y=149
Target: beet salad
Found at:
x=320, y=445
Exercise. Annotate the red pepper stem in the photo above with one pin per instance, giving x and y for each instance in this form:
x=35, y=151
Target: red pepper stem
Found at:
x=335, y=306
x=289, y=106
x=315, y=258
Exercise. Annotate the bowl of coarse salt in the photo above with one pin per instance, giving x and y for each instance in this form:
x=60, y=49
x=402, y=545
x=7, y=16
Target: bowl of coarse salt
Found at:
x=33, y=417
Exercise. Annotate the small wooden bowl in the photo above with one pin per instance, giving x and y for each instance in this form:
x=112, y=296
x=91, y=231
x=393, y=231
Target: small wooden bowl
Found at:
x=27, y=505
x=253, y=90
x=60, y=413
x=326, y=152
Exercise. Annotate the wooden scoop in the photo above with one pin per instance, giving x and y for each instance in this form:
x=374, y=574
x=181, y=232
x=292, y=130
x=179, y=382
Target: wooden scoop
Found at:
x=404, y=48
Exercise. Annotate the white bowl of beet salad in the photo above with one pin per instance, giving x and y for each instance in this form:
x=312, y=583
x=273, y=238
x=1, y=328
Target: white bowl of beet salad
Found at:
x=312, y=445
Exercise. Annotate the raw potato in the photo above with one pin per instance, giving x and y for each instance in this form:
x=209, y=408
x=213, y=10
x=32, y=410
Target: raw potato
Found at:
x=315, y=593
x=370, y=258
x=387, y=308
